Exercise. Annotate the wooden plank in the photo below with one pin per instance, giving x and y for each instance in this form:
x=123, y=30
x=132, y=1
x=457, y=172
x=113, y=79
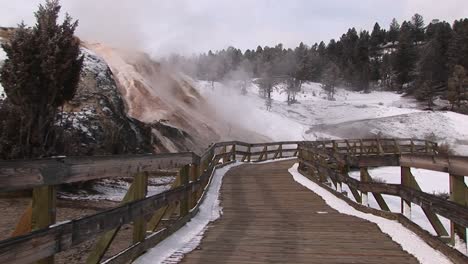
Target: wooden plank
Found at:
x=457, y=165
x=233, y=152
x=378, y=197
x=364, y=175
x=184, y=181
x=274, y=143
x=17, y=175
x=262, y=153
x=44, y=210
x=140, y=192
x=407, y=181
x=459, y=195
x=224, y=153
x=278, y=152
x=381, y=202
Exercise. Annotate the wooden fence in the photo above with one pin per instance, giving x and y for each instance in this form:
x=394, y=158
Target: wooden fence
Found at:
x=333, y=160
x=39, y=238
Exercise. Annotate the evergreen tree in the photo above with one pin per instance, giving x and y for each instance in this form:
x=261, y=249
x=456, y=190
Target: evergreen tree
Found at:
x=405, y=57
x=330, y=79
x=40, y=73
x=457, y=86
x=394, y=31
x=417, y=28
x=303, y=66
x=377, y=38
x=458, y=47
x=363, y=62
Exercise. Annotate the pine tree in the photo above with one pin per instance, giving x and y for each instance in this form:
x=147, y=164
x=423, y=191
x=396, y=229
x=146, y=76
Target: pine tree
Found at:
x=330, y=79
x=363, y=62
x=417, y=28
x=458, y=47
x=394, y=31
x=405, y=56
x=303, y=67
x=41, y=72
x=377, y=38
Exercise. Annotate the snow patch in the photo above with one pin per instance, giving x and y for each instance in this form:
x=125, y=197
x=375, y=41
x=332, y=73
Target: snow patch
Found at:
x=409, y=241
x=2, y=59
x=188, y=237
x=115, y=190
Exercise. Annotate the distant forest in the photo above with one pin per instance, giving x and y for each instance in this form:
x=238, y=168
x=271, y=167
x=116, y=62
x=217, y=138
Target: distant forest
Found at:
x=415, y=58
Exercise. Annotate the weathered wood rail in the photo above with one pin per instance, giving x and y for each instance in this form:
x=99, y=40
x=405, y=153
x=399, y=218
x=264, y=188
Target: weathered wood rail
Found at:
x=333, y=160
x=321, y=160
x=146, y=213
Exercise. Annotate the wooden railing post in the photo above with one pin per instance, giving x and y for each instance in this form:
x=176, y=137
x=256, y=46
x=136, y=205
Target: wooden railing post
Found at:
x=300, y=156
x=406, y=180
x=44, y=201
x=459, y=195
x=280, y=149
x=225, y=156
x=184, y=180
x=140, y=192
x=249, y=153
x=193, y=177
x=262, y=155
x=233, y=150
x=365, y=179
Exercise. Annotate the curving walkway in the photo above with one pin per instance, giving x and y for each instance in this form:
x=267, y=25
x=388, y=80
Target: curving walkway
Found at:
x=269, y=218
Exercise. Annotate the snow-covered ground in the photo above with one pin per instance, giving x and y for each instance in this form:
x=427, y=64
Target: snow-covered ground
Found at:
x=350, y=115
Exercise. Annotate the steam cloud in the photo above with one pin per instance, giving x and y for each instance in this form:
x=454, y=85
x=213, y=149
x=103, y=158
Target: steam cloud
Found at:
x=161, y=27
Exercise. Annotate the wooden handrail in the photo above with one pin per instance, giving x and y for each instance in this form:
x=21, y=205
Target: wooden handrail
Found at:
x=26, y=174
x=334, y=161
x=328, y=157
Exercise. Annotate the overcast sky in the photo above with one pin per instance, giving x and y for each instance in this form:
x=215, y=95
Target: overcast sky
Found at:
x=165, y=26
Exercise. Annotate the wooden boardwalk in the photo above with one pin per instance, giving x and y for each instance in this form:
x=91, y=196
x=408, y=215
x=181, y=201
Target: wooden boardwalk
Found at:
x=269, y=218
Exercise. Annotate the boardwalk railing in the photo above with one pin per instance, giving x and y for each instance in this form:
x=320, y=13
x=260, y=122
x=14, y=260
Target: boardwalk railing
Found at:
x=333, y=160
x=39, y=238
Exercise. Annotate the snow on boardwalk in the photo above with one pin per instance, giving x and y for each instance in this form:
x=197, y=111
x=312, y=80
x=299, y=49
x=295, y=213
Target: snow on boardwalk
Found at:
x=268, y=217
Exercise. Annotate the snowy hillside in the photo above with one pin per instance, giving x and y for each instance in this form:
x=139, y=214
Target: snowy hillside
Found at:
x=351, y=115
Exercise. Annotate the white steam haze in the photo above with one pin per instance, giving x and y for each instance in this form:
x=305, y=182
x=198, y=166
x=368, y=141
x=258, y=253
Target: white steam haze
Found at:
x=186, y=26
